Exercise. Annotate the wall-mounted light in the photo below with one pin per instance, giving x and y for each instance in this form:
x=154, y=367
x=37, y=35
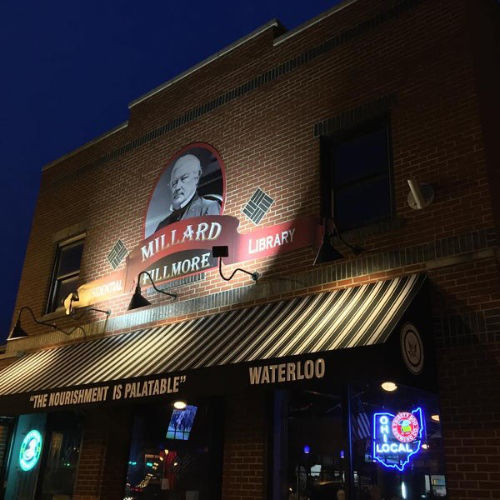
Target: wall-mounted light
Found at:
x=327, y=252
x=18, y=331
x=420, y=195
x=70, y=311
x=138, y=300
x=388, y=386
x=435, y=418
x=180, y=404
x=223, y=251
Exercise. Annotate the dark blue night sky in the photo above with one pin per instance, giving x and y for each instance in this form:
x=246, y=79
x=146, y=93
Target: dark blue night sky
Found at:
x=69, y=69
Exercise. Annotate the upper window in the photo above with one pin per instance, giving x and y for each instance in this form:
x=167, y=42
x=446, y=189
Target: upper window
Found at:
x=357, y=176
x=66, y=272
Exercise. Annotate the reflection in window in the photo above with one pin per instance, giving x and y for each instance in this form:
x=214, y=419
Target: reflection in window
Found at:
x=64, y=435
x=309, y=448
x=394, y=474
x=66, y=273
x=175, y=454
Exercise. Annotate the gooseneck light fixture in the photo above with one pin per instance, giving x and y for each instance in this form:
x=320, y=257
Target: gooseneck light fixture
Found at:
x=18, y=331
x=138, y=300
x=70, y=311
x=223, y=251
x=327, y=252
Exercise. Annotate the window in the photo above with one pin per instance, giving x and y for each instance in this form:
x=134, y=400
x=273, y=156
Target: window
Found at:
x=64, y=436
x=395, y=450
x=356, y=176
x=66, y=272
x=309, y=459
x=43, y=457
x=7, y=425
x=176, y=454
x=378, y=417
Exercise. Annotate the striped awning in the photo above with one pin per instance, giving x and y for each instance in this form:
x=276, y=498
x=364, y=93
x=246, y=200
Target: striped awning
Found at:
x=351, y=317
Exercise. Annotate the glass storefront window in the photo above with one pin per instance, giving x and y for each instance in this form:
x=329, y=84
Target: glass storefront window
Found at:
x=24, y=466
x=309, y=446
x=64, y=436
x=7, y=425
x=395, y=450
x=175, y=454
x=396, y=443
x=44, y=457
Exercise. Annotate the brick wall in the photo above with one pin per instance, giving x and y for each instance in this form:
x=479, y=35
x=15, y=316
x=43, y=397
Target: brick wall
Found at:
x=104, y=455
x=263, y=106
x=266, y=136
x=244, y=448
x=467, y=328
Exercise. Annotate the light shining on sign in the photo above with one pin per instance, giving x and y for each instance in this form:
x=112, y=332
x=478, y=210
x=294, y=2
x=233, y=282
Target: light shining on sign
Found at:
x=396, y=438
x=31, y=448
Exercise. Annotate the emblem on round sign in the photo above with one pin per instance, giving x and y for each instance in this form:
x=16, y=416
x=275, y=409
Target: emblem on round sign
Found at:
x=405, y=427
x=31, y=448
x=412, y=348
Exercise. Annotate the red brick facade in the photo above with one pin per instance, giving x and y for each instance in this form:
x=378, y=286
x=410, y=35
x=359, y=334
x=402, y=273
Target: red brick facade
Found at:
x=430, y=66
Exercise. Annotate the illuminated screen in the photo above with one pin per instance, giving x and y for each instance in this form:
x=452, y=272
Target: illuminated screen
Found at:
x=181, y=423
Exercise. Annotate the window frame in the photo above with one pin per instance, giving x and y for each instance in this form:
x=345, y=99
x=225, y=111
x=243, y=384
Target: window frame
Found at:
x=328, y=185
x=55, y=279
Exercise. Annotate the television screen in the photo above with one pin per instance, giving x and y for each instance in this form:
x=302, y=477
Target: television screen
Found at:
x=181, y=423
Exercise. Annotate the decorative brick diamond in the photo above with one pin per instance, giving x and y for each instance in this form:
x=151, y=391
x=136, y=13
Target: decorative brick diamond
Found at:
x=258, y=206
x=117, y=254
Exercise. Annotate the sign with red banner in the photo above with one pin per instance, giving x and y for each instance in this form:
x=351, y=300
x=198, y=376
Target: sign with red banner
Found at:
x=185, y=248
x=184, y=221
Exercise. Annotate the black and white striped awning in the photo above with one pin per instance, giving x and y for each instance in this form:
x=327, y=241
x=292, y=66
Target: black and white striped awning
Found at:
x=351, y=317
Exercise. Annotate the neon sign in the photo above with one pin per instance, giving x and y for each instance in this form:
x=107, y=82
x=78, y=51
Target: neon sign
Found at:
x=31, y=449
x=396, y=438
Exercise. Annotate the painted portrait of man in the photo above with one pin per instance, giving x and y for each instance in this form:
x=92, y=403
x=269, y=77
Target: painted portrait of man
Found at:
x=191, y=186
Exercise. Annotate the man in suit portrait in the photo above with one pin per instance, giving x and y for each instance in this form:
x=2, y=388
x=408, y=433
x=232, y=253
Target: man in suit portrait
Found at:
x=186, y=202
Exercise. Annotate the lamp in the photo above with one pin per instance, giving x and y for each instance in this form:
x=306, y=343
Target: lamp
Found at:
x=327, y=252
x=389, y=386
x=180, y=404
x=223, y=251
x=18, y=331
x=420, y=195
x=70, y=310
x=138, y=300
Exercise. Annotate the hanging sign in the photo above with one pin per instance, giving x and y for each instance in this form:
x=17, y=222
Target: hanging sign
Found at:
x=396, y=438
x=31, y=448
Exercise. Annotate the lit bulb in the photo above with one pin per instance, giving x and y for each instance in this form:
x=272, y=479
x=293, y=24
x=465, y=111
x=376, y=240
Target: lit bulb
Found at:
x=389, y=386
x=435, y=418
x=180, y=405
